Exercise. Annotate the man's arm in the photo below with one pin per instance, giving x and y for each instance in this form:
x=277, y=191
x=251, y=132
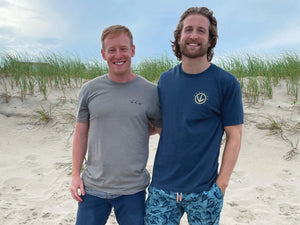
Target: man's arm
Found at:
x=230, y=154
x=78, y=153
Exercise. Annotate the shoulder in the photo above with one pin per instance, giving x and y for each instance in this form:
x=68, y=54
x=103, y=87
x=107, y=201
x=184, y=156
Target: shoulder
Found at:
x=145, y=89
x=92, y=84
x=97, y=80
x=170, y=73
x=224, y=75
x=228, y=84
x=145, y=83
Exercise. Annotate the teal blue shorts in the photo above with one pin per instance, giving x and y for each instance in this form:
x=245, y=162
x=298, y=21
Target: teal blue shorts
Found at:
x=163, y=207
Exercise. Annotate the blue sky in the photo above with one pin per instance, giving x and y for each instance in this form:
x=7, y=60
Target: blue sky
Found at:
x=261, y=27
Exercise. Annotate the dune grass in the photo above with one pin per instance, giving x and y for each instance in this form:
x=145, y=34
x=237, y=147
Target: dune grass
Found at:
x=257, y=75
x=152, y=68
x=43, y=115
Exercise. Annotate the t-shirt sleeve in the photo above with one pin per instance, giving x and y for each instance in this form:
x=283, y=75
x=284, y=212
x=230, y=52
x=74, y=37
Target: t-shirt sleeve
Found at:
x=83, y=114
x=155, y=115
x=232, y=105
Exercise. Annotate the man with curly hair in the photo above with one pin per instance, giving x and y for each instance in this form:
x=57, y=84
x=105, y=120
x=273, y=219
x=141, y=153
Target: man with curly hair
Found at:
x=199, y=102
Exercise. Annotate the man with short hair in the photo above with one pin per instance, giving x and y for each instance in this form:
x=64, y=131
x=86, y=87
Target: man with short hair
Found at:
x=113, y=127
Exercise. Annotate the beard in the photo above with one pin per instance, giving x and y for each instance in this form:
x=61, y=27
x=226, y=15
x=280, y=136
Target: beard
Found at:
x=194, y=53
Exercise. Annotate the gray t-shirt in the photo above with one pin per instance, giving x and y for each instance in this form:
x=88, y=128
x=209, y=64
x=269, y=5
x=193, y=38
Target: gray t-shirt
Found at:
x=118, y=133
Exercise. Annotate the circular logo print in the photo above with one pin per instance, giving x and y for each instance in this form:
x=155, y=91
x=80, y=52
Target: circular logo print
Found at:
x=200, y=98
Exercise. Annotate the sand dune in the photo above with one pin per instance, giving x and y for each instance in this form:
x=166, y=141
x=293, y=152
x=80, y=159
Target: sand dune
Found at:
x=35, y=162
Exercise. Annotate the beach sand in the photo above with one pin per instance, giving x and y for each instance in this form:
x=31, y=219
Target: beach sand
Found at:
x=35, y=162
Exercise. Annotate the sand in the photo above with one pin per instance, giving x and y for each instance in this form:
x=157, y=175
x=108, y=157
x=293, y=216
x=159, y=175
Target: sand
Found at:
x=35, y=162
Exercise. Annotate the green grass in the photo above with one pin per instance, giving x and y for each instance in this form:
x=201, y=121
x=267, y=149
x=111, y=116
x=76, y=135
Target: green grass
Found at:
x=257, y=75
x=152, y=68
x=43, y=115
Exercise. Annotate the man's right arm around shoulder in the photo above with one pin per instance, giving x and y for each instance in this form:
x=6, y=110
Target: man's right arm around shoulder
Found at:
x=78, y=153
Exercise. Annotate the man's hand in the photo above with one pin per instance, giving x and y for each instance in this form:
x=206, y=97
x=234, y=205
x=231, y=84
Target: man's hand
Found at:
x=222, y=185
x=154, y=130
x=77, y=184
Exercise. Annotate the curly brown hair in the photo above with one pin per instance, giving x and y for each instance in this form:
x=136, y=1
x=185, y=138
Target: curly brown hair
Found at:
x=213, y=30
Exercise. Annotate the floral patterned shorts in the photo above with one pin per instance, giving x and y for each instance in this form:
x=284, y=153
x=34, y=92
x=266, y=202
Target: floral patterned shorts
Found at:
x=163, y=207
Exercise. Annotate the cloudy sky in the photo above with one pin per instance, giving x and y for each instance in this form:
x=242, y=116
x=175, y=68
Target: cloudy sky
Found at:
x=74, y=26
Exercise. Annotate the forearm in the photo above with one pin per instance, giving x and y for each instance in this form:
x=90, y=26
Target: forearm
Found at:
x=77, y=161
x=78, y=153
x=229, y=159
x=230, y=155
x=79, y=148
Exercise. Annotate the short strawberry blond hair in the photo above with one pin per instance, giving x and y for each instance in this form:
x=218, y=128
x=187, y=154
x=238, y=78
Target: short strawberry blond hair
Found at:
x=116, y=30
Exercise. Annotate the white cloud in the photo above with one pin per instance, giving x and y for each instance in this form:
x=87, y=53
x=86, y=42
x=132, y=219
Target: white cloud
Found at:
x=30, y=18
x=286, y=37
x=283, y=38
x=75, y=25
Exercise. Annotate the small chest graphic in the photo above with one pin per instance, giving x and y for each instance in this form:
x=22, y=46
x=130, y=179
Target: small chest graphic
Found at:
x=200, y=98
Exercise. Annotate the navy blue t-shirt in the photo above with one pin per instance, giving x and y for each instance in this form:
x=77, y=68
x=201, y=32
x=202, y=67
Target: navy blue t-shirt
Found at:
x=195, y=109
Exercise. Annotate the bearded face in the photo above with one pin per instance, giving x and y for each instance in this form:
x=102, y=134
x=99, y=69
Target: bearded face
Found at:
x=194, y=38
x=192, y=50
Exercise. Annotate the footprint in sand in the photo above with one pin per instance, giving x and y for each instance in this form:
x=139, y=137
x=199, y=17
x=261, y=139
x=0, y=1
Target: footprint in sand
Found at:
x=30, y=161
x=14, y=184
x=279, y=187
x=244, y=216
x=287, y=175
x=266, y=194
x=291, y=212
x=238, y=176
x=232, y=204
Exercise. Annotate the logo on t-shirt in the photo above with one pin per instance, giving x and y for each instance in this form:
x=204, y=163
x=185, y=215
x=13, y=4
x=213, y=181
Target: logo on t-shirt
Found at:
x=200, y=98
x=133, y=101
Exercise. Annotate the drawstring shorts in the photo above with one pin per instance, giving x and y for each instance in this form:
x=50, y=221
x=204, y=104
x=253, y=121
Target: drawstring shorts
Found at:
x=164, y=207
